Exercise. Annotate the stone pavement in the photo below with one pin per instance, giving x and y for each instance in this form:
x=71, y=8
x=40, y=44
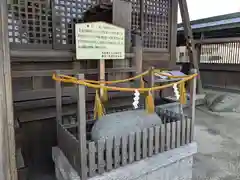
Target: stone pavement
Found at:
x=218, y=139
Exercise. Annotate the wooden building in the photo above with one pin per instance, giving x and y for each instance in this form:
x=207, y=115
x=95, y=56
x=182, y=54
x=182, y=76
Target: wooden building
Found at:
x=41, y=36
x=218, y=44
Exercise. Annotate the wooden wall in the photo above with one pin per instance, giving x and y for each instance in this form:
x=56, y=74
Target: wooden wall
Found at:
x=220, y=76
x=34, y=89
x=34, y=96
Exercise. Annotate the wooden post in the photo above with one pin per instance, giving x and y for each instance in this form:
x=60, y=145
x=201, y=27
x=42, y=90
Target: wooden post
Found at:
x=102, y=75
x=7, y=135
x=58, y=100
x=142, y=18
x=198, y=49
x=173, y=34
x=190, y=44
x=81, y=118
x=138, y=59
x=138, y=50
x=193, y=103
x=152, y=80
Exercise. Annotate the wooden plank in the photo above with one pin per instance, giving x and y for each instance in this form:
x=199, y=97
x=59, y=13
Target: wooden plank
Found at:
x=161, y=56
x=100, y=155
x=49, y=73
x=68, y=144
x=193, y=103
x=173, y=134
x=217, y=40
x=122, y=13
x=40, y=94
x=81, y=118
x=43, y=54
x=124, y=150
x=164, y=117
x=144, y=143
x=58, y=100
x=8, y=169
x=42, y=103
x=69, y=109
x=101, y=67
x=150, y=141
x=109, y=150
x=37, y=82
x=116, y=152
x=183, y=131
x=138, y=146
x=41, y=73
x=20, y=97
x=155, y=50
x=238, y=48
x=162, y=135
x=66, y=100
x=178, y=134
x=39, y=66
x=131, y=139
x=91, y=159
x=168, y=137
x=219, y=67
x=42, y=113
x=156, y=139
x=173, y=32
x=54, y=55
x=142, y=14
x=188, y=131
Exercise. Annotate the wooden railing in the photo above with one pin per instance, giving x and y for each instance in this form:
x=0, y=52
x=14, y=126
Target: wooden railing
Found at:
x=105, y=155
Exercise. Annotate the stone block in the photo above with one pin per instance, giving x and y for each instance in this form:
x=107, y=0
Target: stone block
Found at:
x=122, y=123
x=170, y=165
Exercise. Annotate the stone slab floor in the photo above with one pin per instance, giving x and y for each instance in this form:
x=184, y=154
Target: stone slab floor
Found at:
x=218, y=155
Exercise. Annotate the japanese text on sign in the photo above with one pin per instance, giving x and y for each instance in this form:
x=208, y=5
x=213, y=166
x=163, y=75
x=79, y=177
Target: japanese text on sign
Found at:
x=99, y=40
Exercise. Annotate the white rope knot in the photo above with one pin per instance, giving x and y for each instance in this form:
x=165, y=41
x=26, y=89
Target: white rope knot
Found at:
x=176, y=91
x=136, y=99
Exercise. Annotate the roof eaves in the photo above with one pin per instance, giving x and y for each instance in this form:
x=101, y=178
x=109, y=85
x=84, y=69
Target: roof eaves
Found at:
x=214, y=18
x=213, y=24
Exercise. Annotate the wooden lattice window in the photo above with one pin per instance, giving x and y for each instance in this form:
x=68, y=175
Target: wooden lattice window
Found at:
x=30, y=22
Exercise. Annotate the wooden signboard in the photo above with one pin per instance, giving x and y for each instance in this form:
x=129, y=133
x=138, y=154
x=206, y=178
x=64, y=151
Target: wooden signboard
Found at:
x=99, y=40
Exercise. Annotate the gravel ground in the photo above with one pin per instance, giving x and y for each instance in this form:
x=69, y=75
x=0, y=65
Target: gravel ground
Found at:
x=218, y=156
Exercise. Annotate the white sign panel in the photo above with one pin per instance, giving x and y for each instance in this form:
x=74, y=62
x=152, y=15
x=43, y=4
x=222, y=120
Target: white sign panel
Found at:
x=99, y=40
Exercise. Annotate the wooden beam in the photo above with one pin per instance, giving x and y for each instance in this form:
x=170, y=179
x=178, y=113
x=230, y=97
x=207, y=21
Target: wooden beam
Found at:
x=121, y=16
x=217, y=40
x=220, y=67
x=173, y=33
x=7, y=135
x=155, y=50
x=189, y=39
x=142, y=30
x=48, y=73
x=156, y=57
x=55, y=54
x=41, y=53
